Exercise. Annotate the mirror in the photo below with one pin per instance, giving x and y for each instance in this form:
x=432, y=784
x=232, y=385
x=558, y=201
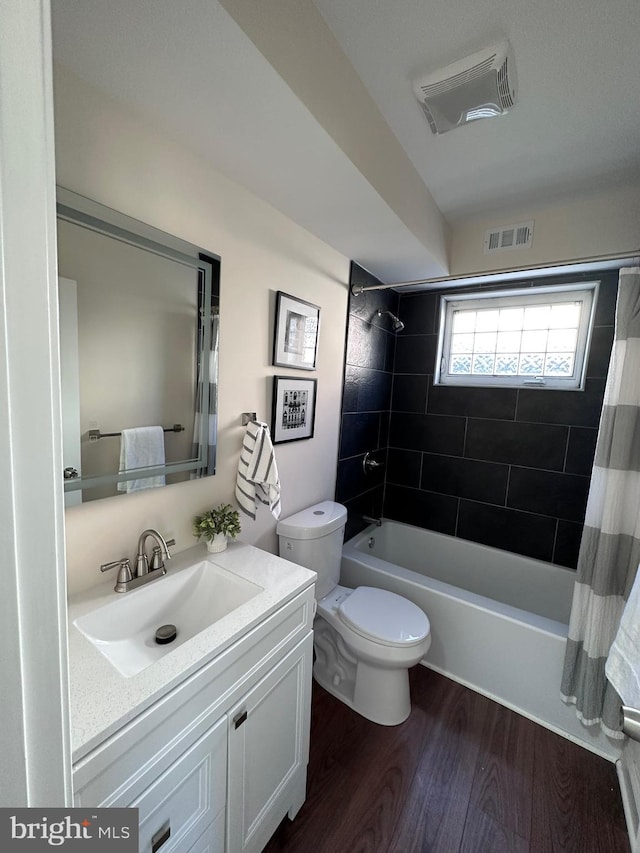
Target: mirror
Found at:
x=138, y=351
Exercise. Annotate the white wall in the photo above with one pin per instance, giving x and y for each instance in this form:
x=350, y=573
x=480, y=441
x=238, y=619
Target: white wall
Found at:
x=114, y=157
x=600, y=223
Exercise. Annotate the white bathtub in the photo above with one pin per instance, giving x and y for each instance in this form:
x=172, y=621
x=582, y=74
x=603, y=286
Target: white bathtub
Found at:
x=498, y=620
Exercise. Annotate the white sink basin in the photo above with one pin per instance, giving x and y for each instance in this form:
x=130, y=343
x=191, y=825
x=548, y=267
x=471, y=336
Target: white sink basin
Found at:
x=192, y=599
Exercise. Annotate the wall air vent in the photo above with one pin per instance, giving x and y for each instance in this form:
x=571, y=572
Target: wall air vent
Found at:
x=518, y=236
x=479, y=86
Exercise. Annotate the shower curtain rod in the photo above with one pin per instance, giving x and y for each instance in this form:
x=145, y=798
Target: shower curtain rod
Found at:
x=357, y=289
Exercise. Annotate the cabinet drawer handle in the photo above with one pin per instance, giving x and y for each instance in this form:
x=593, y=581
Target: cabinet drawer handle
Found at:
x=239, y=719
x=160, y=837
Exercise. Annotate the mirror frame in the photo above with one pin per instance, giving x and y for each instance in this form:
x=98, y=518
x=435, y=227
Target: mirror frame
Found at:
x=79, y=210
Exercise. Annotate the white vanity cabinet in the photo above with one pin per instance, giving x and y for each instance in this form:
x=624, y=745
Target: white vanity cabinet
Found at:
x=188, y=797
x=215, y=763
x=268, y=752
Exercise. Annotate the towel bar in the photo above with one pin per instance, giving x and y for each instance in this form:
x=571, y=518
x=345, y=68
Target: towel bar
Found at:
x=95, y=434
x=247, y=417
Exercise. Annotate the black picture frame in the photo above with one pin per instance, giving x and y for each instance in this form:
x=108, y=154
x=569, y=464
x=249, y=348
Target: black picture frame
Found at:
x=293, y=408
x=296, y=329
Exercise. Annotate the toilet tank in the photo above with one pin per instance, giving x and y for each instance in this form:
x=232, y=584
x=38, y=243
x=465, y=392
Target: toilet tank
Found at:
x=313, y=538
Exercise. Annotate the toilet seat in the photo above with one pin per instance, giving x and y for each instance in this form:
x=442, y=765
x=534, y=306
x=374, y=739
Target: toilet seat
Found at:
x=384, y=617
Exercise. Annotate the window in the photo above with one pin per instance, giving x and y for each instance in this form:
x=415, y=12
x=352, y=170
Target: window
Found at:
x=534, y=337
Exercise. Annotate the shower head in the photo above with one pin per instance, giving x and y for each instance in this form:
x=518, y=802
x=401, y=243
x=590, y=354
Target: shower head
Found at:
x=396, y=324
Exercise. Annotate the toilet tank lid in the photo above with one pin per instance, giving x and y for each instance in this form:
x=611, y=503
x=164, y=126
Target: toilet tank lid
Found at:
x=315, y=521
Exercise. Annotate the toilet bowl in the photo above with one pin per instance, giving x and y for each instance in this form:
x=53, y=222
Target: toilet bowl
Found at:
x=365, y=639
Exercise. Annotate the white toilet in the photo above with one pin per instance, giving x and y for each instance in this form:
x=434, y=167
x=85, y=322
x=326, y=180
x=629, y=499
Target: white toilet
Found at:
x=365, y=639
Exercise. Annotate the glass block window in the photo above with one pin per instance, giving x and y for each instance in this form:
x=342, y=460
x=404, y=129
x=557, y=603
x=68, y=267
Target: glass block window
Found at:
x=533, y=337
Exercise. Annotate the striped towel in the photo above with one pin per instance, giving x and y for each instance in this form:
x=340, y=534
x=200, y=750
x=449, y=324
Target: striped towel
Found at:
x=257, y=478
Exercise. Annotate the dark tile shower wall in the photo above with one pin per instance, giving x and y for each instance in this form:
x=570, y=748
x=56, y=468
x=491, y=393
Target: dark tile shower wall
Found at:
x=504, y=467
x=366, y=404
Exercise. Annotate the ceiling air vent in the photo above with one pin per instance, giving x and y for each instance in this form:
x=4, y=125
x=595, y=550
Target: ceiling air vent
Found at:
x=479, y=86
x=518, y=236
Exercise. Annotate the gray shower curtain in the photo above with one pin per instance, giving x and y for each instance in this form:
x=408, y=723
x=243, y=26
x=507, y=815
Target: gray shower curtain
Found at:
x=610, y=547
x=211, y=415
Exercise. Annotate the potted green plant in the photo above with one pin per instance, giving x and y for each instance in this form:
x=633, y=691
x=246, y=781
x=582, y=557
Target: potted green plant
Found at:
x=216, y=526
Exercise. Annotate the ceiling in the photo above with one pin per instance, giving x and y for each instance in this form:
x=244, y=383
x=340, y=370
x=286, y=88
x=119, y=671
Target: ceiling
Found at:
x=209, y=76
x=576, y=124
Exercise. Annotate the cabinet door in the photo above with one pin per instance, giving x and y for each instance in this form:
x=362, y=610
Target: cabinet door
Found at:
x=269, y=751
x=187, y=798
x=212, y=841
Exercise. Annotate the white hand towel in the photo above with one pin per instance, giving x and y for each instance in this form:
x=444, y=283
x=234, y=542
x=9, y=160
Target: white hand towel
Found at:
x=257, y=478
x=141, y=447
x=623, y=664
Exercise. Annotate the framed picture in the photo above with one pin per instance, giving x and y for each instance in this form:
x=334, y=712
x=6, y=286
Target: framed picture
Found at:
x=293, y=411
x=295, y=341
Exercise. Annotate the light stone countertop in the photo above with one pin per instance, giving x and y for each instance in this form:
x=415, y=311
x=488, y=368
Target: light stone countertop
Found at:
x=102, y=700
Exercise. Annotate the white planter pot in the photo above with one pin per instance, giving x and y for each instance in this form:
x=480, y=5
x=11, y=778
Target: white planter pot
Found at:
x=217, y=544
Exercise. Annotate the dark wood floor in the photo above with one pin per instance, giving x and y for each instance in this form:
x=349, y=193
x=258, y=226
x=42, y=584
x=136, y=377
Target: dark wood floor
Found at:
x=461, y=775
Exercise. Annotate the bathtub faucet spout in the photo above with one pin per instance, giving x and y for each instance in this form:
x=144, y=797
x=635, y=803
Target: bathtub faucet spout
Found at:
x=369, y=520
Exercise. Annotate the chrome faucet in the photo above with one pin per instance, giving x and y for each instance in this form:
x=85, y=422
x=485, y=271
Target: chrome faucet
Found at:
x=162, y=547
x=143, y=573
x=125, y=575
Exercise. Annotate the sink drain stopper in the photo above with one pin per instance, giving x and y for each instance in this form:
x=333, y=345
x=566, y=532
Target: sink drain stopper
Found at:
x=166, y=634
